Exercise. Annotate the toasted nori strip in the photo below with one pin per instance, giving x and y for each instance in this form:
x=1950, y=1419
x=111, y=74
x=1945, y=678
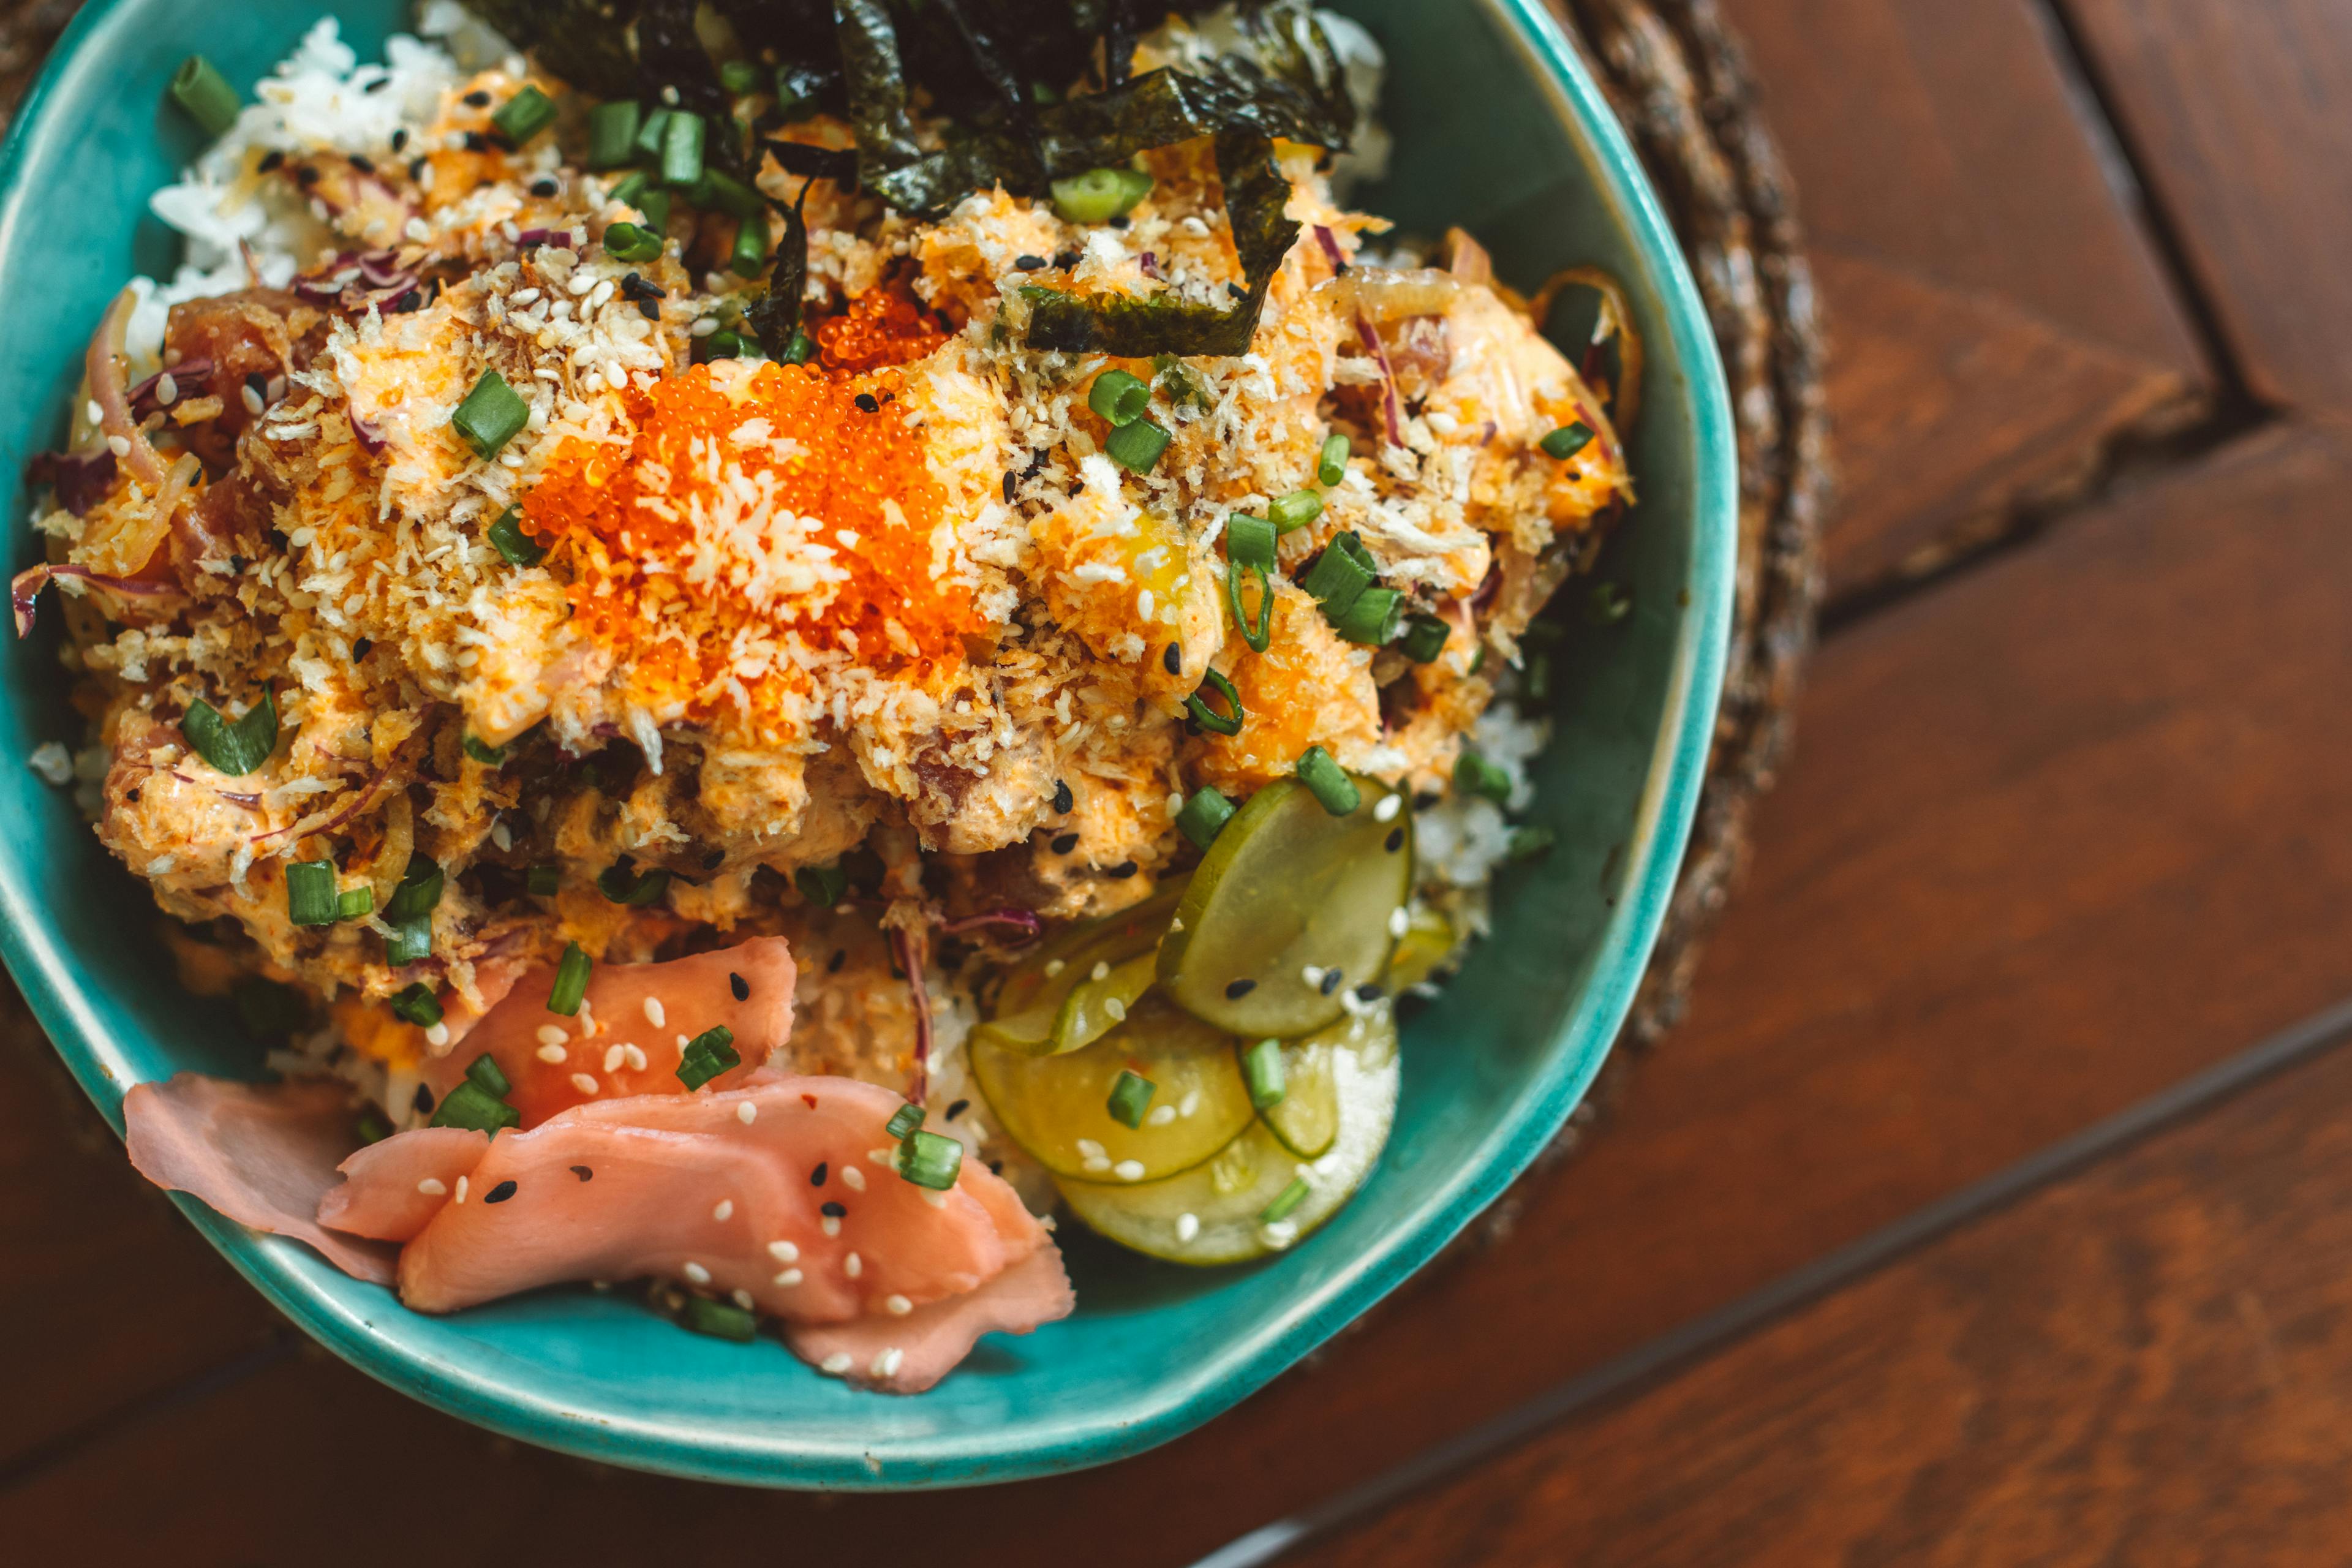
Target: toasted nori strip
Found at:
x=775, y=315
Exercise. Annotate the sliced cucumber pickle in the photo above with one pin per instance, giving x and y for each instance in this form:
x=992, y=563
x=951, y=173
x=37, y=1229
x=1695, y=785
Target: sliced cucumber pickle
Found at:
x=1426, y=947
x=1058, y=1107
x=1306, y=1116
x=1099, y=1004
x=1029, y=1004
x=1215, y=1212
x=1289, y=887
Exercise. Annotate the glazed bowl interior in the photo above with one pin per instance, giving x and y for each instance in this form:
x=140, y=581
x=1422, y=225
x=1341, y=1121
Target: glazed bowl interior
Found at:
x=1497, y=130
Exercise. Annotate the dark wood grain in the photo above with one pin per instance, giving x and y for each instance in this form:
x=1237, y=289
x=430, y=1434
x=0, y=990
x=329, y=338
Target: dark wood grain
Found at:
x=2242, y=116
x=2060, y=835
x=2148, y=1363
x=1998, y=317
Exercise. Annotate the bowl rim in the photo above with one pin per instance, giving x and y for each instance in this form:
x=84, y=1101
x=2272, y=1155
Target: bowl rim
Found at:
x=292, y=1278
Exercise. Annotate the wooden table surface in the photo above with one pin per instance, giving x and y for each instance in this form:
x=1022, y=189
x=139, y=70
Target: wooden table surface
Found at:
x=1990, y=1208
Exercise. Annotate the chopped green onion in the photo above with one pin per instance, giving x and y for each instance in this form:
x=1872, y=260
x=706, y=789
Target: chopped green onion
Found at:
x=1208, y=717
x=410, y=941
x=1250, y=541
x=1608, y=604
x=733, y=195
x=719, y=1320
x=311, y=896
x=1130, y=1097
x=1329, y=782
x=624, y=884
x=1567, y=441
x=931, y=1160
x=474, y=1108
x=419, y=890
x=542, y=880
x=1331, y=466
x=720, y=344
x=1262, y=1070
x=822, y=885
x=199, y=88
x=612, y=133
x=1204, y=815
x=1528, y=843
x=1137, y=448
x=1120, y=397
x=571, y=986
x=507, y=537
x=1258, y=634
x=1371, y=619
x=649, y=133
x=353, y=903
x=1295, y=509
x=1099, y=195
x=417, y=1004
x=1290, y=1198
x=524, y=115
x=742, y=77
x=707, y=1056
x=485, y=1070
x=1344, y=570
x=491, y=416
x=639, y=191
x=1478, y=659
x=235, y=749
x=750, y=256
x=903, y=1121
x=801, y=350
x=1473, y=775
x=681, y=149
x=1424, y=638
x=482, y=751
x=628, y=242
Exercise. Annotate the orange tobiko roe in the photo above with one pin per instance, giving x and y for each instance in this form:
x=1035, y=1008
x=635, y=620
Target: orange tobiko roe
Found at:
x=849, y=461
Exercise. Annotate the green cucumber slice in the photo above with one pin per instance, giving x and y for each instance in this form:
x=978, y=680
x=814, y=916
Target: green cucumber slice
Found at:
x=1214, y=1213
x=1028, y=1005
x=1306, y=1116
x=1288, y=886
x=1099, y=1004
x=1058, y=1107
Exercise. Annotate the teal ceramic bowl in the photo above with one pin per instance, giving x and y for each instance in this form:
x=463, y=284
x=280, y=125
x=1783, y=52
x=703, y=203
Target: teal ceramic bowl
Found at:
x=1498, y=128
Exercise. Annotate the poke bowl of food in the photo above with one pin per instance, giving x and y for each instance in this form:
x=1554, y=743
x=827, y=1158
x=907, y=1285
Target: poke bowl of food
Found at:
x=842, y=744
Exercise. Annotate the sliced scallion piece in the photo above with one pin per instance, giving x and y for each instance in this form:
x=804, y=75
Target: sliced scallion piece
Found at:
x=931, y=1160
x=903, y=1121
x=410, y=941
x=1343, y=571
x=1424, y=638
x=1258, y=631
x=1473, y=775
x=1099, y=195
x=719, y=1320
x=1372, y=618
x=801, y=350
x=750, y=256
x=612, y=133
x=1204, y=815
x=1329, y=782
x=1295, y=509
x=681, y=148
x=1567, y=441
x=625, y=884
x=640, y=192
x=1120, y=398
x=491, y=416
x=524, y=115
x=1262, y=1070
x=485, y=1070
x=649, y=134
x=235, y=749
x=474, y=1108
x=1286, y=1202
x=416, y=1005
x=482, y=751
x=542, y=880
x=311, y=896
x=1250, y=541
x=732, y=195
x=1331, y=466
x=419, y=890
x=628, y=242
x=1531, y=842
x=742, y=77
x=353, y=903
x=822, y=885
x=1607, y=603
x=507, y=537
x=571, y=986
x=199, y=88
x=1130, y=1097
x=1227, y=723
x=1137, y=446
x=707, y=1056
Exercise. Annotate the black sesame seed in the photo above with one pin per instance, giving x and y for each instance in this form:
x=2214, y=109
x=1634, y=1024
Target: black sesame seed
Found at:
x=423, y=1100
x=840, y=956
x=499, y=1193
x=365, y=166
x=816, y=1177
x=1239, y=989
x=583, y=1171
x=236, y=564
x=478, y=99
x=258, y=384
x=833, y=1211
x=866, y=401
x=400, y=138
x=1369, y=992
x=1124, y=869
x=477, y=143
x=271, y=162
x=740, y=987
x=650, y=308
x=1012, y=480
x=1067, y=259
x=958, y=1109
x=1424, y=801
x=1174, y=659
x=1065, y=843
x=996, y=1167
x=1063, y=799
x=131, y=795
x=416, y=167
x=1395, y=839
x=363, y=647
x=1237, y=292
x=1028, y=264
x=1331, y=978
x=544, y=187
x=1122, y=221
x=306, y=175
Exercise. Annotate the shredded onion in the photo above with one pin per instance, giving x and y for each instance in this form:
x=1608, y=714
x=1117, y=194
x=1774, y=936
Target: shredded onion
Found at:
x=1391, y=402
x=1615, y=311
x=1024, y=921
x=25, y=589
x=104, y=366
x=913, y=951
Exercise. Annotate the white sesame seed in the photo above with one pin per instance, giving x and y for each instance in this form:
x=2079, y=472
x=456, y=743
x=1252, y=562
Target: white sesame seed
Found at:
x=1280, y=1234
x=461, y=1189
x=837, y=1363
x=899, y=1305
x=1399, y=922
x=789, y=1278
x=852, y=1178
x=1055, y=966
x=437, y=1036
x=550, y=1034
x=1189, y=1103
x=119, y=444
x=1116, y=1008
x=523, y=297
x=1389, y=804
x=636, y=1057
x=1187, y=1226
x=93, y=413
x=741, y=1298
x=853, y=1265
x=1310, y=973
x=784, y=1251
x=167, y=389
x=886, y=1363
x=703, y=328
x=654, y=1011
x=432, y=1186
x=747, y=1113
x=1101, y=969
x=1143, y=605
x=830, y=1224
x=581, y=283
x=1129, y=1170
x=551, y=1054
x=1162, y=1115
x=697, y=1273
x=1089, y=1150
x=613, y=1056
x=584, y=1083
x=725, y=1211
x=252, y=400
x=1095, y=1164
